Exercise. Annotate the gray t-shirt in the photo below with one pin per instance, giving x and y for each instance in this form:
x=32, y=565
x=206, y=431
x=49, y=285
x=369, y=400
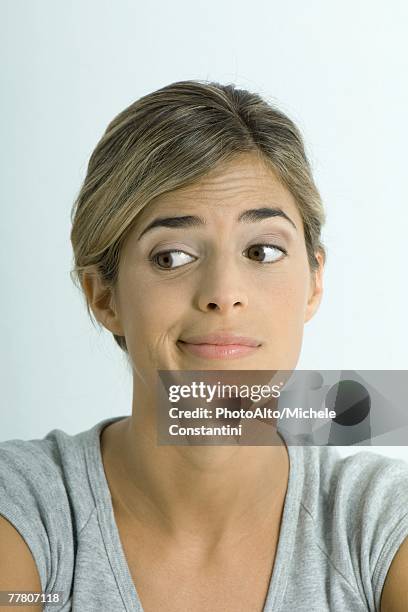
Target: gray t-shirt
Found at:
x=343, y=521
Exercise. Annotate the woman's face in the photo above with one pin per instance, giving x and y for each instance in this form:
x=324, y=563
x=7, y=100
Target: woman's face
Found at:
x=217, y=273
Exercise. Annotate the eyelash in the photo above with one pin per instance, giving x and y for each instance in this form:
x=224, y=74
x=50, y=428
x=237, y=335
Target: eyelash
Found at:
x=152, y=259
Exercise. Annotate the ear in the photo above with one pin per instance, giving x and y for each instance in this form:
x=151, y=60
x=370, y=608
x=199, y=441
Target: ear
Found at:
x=101, y=301
x=316, y=288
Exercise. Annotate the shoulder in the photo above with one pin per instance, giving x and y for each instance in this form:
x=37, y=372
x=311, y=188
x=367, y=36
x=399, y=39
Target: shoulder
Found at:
x=361, y=513
x=39, y=484
x=42, y=470
x=18, y=569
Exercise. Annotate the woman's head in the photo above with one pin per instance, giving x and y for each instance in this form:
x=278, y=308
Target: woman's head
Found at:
x=211, y=152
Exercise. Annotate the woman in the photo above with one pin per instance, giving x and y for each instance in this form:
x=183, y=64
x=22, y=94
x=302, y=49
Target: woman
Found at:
x=197, y=232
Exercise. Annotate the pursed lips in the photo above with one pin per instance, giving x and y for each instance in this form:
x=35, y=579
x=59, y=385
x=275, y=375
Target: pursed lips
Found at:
x=220, y=345
x=222, y=338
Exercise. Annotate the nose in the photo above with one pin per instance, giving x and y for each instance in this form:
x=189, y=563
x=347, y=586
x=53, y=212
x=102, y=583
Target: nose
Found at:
x=222, y=289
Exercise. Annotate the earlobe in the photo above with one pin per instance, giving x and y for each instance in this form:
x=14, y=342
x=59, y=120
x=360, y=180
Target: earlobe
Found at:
x=101, y=301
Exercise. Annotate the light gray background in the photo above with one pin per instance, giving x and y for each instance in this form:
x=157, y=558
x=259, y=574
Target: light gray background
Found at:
x=337, y=68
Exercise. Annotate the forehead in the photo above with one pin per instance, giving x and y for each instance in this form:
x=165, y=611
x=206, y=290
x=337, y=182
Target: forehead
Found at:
x=243, y=182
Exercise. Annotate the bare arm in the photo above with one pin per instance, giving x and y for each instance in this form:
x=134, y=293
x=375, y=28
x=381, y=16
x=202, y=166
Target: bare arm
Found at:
x=395, y=591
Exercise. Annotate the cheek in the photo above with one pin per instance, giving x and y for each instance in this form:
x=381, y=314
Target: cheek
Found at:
x=148, y=308
x=282, y=306
x=285, y=292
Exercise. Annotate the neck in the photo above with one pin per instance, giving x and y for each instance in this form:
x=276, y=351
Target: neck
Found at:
x=213, y=491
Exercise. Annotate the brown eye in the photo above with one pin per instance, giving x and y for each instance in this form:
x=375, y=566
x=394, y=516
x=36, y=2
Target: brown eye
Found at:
x=166, y=259
x=267, y=253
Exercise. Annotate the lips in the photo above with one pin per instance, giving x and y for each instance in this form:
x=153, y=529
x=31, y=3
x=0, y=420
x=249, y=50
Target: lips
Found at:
x=219, y=345
x=223, y=339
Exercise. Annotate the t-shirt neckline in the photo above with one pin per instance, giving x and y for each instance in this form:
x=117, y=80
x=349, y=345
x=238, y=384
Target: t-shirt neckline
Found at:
x=113, y=544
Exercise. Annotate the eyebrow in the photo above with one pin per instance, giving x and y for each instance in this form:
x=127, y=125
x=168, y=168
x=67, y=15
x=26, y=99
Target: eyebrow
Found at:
x=251, y=215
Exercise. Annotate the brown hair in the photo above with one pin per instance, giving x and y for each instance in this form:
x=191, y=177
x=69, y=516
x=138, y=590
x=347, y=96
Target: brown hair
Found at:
x=168, y=139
